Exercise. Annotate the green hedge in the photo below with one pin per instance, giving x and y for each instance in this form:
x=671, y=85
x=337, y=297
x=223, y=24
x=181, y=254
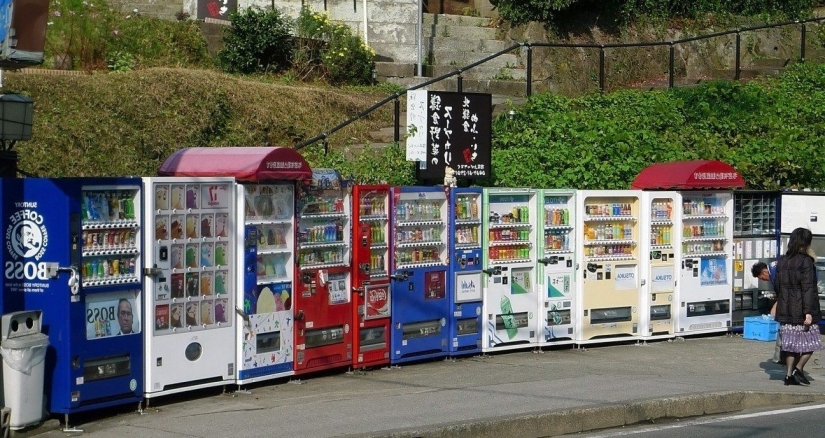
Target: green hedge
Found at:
x=771, y=132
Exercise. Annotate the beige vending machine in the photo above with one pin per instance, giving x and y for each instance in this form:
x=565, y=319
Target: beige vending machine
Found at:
x=609, y=285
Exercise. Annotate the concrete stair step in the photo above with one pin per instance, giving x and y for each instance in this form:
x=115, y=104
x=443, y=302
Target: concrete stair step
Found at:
x=747, y=72
x=394, y=69
x=440, y=45
x=511, y=89
x=460, y=32
x=815, y=53
x=663, y=83
x=461, y=59
x=771, y=63
x=454, y=20
x=481, y=72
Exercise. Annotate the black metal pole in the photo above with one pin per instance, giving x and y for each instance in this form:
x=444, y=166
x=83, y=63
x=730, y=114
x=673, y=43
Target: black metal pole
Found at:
x=459, y=83
x=802, y=44
x=601, y=69
x=670, y=67
x=738, y=49
x=529, y=70
x=396, y=135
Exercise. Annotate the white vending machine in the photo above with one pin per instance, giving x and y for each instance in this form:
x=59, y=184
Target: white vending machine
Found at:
x=190, y=277
x=661, y=235
x=557, y=267
x=706, y=271
x=511, y=302
x=267, y=254
x=609, y=286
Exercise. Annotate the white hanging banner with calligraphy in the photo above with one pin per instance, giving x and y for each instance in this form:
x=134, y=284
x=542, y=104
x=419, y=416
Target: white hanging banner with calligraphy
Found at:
x=417, y=125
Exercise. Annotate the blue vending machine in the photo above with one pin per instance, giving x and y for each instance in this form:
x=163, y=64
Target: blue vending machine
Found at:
x=72, y=249
x=418, y=283
x=465, y=278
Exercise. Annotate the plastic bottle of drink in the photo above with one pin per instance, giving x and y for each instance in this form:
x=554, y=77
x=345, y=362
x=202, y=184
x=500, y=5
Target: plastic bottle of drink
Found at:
x=628, y=231
x=507, y=317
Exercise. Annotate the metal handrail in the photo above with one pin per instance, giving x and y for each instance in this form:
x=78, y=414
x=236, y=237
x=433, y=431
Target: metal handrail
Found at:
x=529, y=88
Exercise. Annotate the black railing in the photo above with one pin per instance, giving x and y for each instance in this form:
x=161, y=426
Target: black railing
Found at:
x=529, y=76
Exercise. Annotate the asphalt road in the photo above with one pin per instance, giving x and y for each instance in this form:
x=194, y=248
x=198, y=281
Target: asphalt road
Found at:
x=800, y=421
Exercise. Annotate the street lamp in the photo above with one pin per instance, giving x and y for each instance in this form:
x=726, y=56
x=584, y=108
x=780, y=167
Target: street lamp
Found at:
x=15, y=124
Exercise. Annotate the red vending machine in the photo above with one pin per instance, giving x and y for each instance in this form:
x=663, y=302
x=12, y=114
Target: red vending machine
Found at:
x=370, y=276
x=323, y=300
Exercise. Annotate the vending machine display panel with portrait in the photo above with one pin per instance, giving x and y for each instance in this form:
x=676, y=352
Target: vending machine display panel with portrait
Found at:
x=73, y=251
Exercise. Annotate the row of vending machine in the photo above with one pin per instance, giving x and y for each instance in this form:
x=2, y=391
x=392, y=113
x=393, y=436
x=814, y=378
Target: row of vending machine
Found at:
x=228, y=270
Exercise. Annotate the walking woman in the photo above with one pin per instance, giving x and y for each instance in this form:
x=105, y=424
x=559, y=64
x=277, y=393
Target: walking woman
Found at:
x=797, y=305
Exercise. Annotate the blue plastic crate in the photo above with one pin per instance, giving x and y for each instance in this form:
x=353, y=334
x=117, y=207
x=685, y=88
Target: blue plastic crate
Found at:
x=760, y=329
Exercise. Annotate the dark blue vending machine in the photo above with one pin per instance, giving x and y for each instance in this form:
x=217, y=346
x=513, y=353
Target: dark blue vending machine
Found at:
x=419, y=264
x=72, y=250
x=465, y=278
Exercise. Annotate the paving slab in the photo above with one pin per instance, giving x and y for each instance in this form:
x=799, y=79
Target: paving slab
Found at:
x=522, y=393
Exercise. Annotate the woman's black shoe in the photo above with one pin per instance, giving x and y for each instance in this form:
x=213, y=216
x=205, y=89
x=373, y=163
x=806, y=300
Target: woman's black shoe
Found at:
x=800, y=377
x=790, y=380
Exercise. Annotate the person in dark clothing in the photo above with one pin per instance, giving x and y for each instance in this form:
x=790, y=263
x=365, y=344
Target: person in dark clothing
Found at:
x=767, y=272
x=797, y=305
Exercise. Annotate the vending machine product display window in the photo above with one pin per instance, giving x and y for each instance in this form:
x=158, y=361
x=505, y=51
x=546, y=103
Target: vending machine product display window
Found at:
x=73, y=251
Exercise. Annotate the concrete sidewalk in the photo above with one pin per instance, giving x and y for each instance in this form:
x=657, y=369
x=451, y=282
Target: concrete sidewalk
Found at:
x=521, y=394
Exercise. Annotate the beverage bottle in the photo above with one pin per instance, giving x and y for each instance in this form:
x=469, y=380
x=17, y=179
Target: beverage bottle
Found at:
x=628, y=231
x=507, y=317
x=565, y=217
x=667, y=236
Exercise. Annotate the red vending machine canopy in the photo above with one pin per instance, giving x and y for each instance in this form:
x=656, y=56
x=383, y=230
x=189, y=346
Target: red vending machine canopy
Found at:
x=248, y=164
x=685, y=175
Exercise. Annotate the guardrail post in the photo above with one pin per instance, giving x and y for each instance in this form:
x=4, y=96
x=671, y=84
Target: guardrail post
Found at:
x=738, y=49
x=670, y=68
x=459, y=83
x=396, y=134
x=802, y=44
x=529, y=70
x=601, y=69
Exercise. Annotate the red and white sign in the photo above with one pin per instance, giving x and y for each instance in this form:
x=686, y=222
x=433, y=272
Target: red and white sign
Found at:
x=377, y=301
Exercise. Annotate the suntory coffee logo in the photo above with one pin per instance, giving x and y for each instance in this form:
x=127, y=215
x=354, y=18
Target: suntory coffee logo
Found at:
x=26, y=236
x=26, y=239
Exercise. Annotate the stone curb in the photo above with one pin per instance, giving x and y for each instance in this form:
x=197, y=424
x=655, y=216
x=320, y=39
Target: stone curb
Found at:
x=570, y=421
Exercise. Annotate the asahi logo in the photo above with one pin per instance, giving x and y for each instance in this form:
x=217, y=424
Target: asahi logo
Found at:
x=26, y=236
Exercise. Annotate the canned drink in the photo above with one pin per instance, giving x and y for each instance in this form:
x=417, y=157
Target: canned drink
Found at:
x=132, y=266
x=116, y=239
